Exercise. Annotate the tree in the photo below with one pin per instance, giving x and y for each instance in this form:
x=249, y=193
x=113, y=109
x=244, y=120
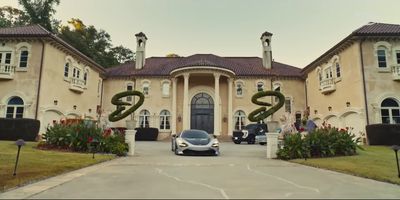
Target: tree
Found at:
x=41, y=12
x=10, y=16
x=172, y=55
x=94, y=43
x=122, y=54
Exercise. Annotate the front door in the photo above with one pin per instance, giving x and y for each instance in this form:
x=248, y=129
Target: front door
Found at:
x=202, y=113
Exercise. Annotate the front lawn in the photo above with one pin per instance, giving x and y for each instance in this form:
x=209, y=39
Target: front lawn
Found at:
x=376, y=162
x=35, y=164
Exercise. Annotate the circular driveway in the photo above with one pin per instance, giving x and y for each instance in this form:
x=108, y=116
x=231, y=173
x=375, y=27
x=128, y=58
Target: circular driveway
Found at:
x=241, y=171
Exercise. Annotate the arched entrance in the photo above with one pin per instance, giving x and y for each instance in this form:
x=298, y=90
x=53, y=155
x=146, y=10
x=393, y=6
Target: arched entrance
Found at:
x=202, y=113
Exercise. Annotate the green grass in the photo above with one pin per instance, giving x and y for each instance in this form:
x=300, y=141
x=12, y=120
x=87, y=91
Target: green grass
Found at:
x=35, y=164
x=376, y=162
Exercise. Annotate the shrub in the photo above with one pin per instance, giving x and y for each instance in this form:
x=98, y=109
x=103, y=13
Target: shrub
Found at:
x=14, y=129
x=80, y=137
x=322, y=142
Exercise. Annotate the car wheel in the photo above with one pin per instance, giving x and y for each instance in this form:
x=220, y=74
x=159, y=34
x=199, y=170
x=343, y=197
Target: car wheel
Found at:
x=237, y=141
x=251, y=140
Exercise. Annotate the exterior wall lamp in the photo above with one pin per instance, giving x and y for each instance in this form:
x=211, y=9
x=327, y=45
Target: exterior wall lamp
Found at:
x=330, y=108
x=348, y=104
x=74, y=107
x=55, y=102
x=396, y=148
x=179, y=118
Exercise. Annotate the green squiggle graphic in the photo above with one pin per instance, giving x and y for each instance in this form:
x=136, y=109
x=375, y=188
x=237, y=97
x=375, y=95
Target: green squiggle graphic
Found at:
x=116, y=100
x=262, y=113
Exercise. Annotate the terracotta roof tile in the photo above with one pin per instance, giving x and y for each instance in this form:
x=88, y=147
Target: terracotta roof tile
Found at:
x=30, y=30
x=378, y=29
x=241, y=66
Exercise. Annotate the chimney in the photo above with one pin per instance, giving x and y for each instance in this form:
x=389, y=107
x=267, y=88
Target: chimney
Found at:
x=266, y=52
x=140, y=50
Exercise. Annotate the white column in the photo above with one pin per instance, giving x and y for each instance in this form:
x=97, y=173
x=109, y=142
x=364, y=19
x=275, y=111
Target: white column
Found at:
x=230, y=116
x=185, y=117
x=217, y=120
x=173, y=114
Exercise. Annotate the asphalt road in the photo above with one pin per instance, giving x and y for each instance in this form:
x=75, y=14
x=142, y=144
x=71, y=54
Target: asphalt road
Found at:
x=241, y=171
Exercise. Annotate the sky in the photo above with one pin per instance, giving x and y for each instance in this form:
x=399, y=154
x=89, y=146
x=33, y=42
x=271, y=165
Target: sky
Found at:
x=302, y=29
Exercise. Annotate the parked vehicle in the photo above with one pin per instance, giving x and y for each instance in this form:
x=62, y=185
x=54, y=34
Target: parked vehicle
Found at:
x=195, y=142
x=249, y=134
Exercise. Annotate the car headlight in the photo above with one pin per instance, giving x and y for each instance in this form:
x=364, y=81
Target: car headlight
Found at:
x=181, y=143
x=215, y=144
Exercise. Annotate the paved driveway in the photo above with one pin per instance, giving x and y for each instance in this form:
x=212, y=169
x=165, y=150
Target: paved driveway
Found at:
x=241, y=171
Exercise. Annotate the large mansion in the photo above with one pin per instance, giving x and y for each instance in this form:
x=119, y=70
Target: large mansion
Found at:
x=355, y=83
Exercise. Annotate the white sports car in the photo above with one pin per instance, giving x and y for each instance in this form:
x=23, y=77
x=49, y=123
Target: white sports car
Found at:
x=195, y=141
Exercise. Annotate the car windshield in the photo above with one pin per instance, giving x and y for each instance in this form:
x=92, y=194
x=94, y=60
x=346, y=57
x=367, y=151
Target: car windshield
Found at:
x=251, y=127
x=194, y=134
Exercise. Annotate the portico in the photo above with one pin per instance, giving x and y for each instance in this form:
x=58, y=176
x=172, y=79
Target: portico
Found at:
x=209, y=84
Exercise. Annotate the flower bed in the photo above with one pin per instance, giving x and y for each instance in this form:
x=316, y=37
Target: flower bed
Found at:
x=322, y=142
x=83, y=137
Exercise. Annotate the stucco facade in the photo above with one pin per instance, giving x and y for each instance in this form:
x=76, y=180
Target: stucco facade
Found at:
x=355, y=83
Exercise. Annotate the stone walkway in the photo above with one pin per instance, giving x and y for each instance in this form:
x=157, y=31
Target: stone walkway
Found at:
x=241, y=171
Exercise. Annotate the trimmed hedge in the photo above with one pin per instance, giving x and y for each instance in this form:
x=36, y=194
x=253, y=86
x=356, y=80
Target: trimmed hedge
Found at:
x=14, y=129
x=383, y=134
x=146, y=134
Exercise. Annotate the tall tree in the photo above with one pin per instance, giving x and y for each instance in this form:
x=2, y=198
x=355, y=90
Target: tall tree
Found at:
x=10, y=16
x=41, y=12
x=94, y=43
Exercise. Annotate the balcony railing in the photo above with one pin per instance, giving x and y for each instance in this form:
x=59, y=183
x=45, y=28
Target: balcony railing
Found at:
x=76, y=84
x=396, y=72
x=327, y=85
x=7, y=71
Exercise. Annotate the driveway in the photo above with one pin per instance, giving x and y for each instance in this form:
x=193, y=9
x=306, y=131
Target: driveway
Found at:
x=241, y=171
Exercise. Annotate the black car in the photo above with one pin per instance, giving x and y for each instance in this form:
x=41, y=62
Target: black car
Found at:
x=249, y=133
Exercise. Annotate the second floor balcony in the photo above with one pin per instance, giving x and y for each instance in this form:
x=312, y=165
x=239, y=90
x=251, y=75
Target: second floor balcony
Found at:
x=396, y=72
x=327, y=85
x=77, y=85
x=7, y=71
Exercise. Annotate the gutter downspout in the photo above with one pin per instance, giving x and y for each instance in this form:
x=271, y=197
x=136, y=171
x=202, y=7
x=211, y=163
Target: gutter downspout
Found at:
x=363, y=79
x=306, y=91
x=40, y=80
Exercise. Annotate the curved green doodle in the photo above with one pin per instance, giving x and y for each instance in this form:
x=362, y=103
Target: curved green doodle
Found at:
x=116, y=100
x=262, y=113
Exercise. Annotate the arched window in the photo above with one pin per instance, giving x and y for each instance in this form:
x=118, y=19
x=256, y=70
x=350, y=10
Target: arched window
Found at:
x=165, y=89
x=239, y=89
x=338, y=73
x=381, y=53
x=390, y=111
x=165, y=120
x=260, y=86
x=145, y=88
x=240, y=118
x=23, y=58
x=15, y=108
x=66, y=70
x=129, y=87
x=144, y=119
